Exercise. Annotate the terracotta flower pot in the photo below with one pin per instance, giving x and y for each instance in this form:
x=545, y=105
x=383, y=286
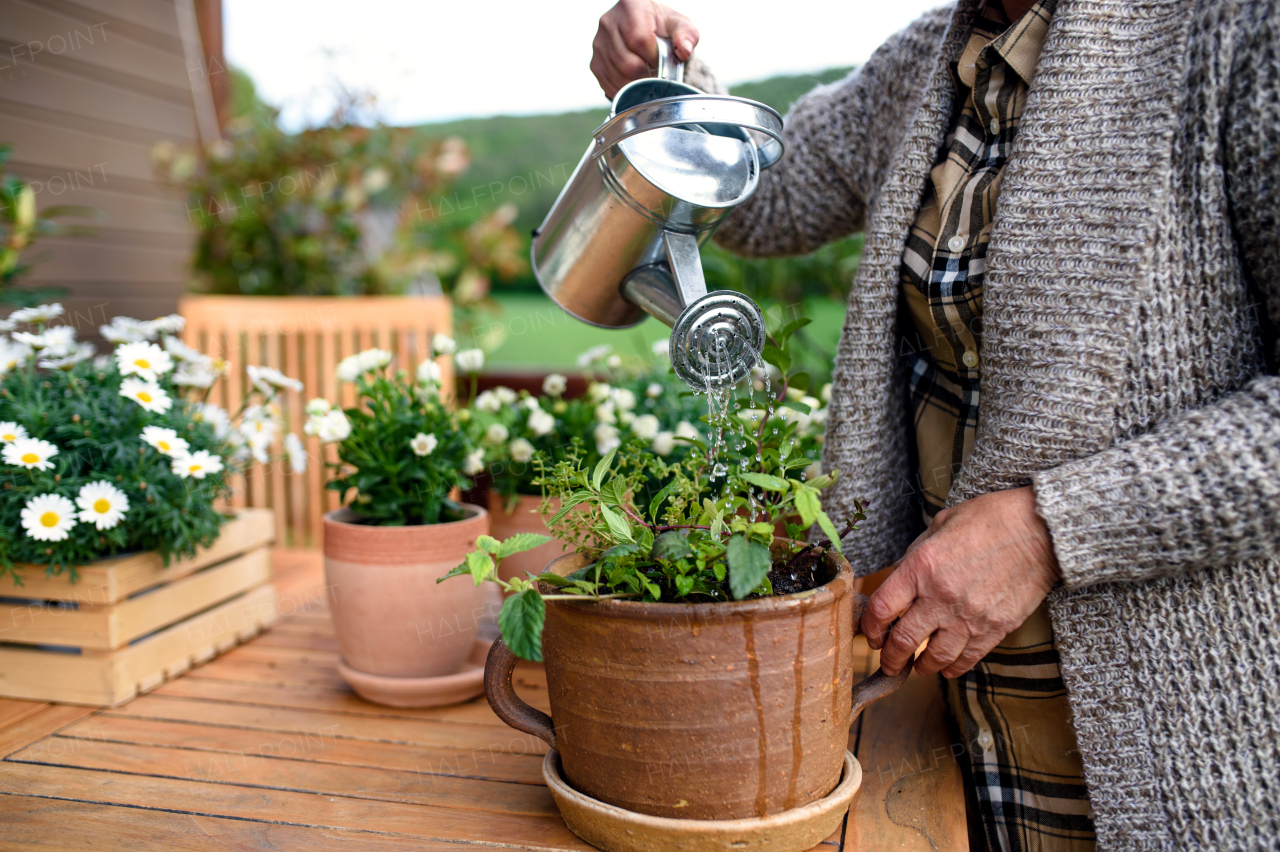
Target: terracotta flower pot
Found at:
x=711, y=711
x=524, y=518
x=391, y=618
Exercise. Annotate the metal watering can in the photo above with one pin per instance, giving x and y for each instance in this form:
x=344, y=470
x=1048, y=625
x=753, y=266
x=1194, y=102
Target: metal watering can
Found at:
x=658, y=178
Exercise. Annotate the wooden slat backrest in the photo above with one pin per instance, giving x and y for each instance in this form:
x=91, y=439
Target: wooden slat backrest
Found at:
x=306, y=338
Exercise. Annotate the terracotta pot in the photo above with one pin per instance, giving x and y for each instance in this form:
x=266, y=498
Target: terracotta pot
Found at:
x=698, y=711
x=524, y=518
x=390, y=616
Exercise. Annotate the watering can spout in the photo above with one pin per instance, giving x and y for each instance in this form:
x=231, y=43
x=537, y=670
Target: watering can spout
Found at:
x=657, y=179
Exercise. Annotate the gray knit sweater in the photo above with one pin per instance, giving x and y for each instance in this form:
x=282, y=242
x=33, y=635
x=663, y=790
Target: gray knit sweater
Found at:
x=1132, y=290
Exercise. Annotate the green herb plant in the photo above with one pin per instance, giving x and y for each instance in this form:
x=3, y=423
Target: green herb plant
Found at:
x=707, y=533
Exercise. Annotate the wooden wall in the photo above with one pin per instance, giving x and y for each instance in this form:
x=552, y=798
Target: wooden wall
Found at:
x=87, y=87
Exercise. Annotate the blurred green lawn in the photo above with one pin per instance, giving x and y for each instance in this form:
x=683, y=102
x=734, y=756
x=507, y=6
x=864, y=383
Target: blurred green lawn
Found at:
x=537, y=335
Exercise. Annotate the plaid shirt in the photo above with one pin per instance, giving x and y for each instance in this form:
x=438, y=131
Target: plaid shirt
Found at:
x=1011, y=710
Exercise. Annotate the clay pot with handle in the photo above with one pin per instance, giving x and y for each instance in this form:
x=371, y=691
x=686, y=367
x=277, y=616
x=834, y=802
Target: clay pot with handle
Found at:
x=707, y=711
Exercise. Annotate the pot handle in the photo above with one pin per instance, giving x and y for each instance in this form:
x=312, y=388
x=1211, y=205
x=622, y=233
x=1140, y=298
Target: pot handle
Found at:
x=504, y=701
x=876, y=686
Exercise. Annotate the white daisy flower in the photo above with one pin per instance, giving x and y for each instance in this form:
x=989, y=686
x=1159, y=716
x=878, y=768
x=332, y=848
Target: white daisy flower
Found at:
x=607, y=412
x=13, y=355
x=197, y=465
x=645, y=427
x=165, y=440
x=429, y=373
x=506, y=395
x=102, y=504
x=614, y=361
x=259, y=443
x=318, y=407
x=31, y=453
x=443, y=344
x=606, y=438
x=83, y=352
x=541, y=422
x=595, y=353
x=374, y=359
x=149, y=395
x=59, y=341
x=49, y=517
x=531, y=403
x=333, y=426
x=144, y=360
x=496, y=434
x=598, y=392
x=194, y=376
x=554, y=384
x=296, y=452
x=7, y=326
x=488, y=401
x=123, y=330
x=470, y=360
x=10, y=431
x=663, y=443
x=653, y=391
x=216, y=416
x=40, y=313
x=521, y=451
x=423, y=444
x=623, y=398
x=474, y=463
x=175, y=347
x=172, y=324
x=687, y=431
x=27, y=338
x=349, y=369
x=268, y=380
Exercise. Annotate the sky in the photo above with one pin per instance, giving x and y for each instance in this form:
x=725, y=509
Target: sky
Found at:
x=435, y=61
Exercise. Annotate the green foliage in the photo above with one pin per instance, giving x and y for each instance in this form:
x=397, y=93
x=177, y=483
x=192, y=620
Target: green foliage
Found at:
x=395, y=484
x=697, y=525
x=340, y=209
x=21, y=226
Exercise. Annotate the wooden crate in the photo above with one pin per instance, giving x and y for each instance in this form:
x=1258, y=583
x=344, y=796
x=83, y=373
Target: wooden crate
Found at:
x=131, y=623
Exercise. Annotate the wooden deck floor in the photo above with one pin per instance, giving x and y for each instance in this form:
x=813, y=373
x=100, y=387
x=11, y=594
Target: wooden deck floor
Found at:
x=266, y=748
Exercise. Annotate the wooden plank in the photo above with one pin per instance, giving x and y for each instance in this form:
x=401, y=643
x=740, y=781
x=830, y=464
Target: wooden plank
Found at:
x=54, y=825
x=110, y=580
x=12, y=711
x=460, y=735
x=271, y=771
x=108, y=678
x=289, y=807
x=53, y=718
x=110, y=627
x=912, y=794
x=325, y=747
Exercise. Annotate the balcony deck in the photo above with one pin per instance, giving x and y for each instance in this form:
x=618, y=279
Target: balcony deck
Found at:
x=266, y=747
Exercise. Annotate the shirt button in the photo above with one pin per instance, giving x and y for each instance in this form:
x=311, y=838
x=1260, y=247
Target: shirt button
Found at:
x=956, y=243
x=970, y=358
x=995, y=127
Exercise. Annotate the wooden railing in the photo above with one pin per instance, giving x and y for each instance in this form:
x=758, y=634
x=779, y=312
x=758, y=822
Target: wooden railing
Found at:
x=305, y=338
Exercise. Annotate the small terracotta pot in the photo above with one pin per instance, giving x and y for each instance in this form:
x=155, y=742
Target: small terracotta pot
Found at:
x=390, y=616
x=708, y=711
x=524, y=518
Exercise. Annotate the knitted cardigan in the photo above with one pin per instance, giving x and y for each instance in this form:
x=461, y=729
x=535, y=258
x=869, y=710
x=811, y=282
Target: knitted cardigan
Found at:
x=1128, y=351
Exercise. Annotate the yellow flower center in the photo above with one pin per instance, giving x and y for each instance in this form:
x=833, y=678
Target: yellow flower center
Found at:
x=163, y=446
x=8, y=436
x=143, y=363
x=30, y=458
x=49, y=519
x=102, y=505
x=195, y=467
x=143, y=396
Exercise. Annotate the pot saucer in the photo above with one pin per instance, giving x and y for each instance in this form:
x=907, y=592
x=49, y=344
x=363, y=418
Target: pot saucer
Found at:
x=421, y=691
x=615, y=829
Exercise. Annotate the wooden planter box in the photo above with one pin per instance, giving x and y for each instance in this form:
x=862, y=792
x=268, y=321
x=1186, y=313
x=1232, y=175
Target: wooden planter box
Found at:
x=129, y=624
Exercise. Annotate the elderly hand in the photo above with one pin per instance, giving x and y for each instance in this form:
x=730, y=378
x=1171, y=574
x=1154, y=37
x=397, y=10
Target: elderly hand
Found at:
x=626, y=42
x=971, y=579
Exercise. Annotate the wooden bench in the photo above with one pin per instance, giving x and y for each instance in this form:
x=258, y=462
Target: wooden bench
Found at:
x=266, y=748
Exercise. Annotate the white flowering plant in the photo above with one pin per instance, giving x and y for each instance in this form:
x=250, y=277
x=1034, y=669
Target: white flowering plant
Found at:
x=117, y=453
x=401, y=451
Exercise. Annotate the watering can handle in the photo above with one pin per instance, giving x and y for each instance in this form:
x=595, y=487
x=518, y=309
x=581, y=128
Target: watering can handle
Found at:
x=669, y=65
x=691, y=110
